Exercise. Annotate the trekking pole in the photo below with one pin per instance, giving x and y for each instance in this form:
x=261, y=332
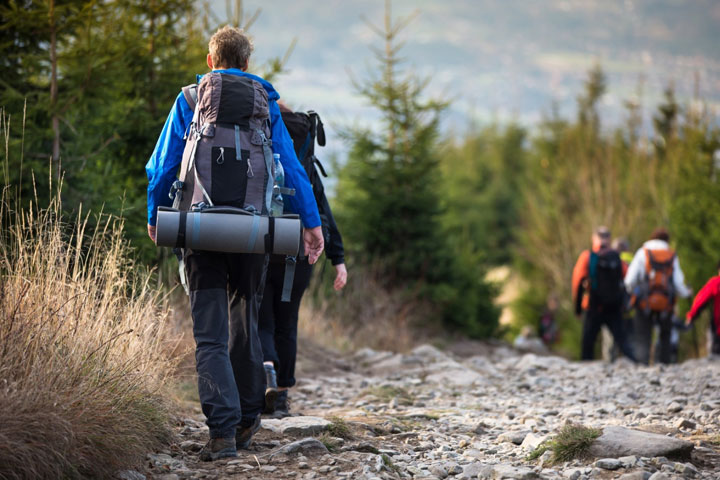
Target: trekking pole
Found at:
x=695, y=340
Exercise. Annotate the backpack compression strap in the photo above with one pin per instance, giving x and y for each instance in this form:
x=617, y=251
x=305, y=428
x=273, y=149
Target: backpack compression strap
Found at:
x=190, y=94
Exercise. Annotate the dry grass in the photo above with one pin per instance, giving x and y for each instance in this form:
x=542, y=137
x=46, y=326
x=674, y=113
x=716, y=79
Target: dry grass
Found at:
x=572, y=442
x=365, y=314
x=82, y=350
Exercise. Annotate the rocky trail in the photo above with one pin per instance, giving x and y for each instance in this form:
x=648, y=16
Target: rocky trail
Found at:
x=479, y=413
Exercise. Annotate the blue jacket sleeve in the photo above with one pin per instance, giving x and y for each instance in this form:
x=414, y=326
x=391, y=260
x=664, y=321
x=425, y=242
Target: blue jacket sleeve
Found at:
x=162, y=167
x=303, y=202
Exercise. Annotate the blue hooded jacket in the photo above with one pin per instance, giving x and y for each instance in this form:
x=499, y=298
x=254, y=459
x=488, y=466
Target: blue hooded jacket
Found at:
x=166, y=158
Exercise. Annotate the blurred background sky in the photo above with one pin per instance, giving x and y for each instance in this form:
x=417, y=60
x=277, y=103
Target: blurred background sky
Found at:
x=497, y=60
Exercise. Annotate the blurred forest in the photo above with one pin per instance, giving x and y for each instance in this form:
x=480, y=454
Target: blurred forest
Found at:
x=86, y=85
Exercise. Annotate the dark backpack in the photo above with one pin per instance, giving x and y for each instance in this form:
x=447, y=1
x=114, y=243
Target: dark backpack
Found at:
x=305, y=129
x=227, y=158
x=607, y=289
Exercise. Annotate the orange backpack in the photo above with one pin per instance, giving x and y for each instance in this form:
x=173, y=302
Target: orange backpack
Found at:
x=658, y=274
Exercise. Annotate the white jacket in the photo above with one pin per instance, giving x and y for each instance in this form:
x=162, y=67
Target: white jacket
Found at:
x=636, y=272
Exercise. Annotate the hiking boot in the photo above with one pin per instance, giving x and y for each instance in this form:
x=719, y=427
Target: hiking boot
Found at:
x=271, y=392
x=218, y=448
x=243, y=437
x=282, y=405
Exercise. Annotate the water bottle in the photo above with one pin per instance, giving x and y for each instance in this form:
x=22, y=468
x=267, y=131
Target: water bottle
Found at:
x=276, y=205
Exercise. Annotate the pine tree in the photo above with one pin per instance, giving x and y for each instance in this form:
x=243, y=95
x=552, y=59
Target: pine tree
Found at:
x=389, y=189
x=389, y=193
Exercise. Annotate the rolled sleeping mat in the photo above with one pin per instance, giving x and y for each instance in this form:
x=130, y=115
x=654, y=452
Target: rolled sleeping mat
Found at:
x=228, y=229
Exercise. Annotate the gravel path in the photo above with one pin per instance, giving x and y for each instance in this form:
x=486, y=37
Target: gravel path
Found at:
x=430, y=414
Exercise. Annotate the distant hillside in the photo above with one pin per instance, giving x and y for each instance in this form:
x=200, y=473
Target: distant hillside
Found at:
x=497, y=59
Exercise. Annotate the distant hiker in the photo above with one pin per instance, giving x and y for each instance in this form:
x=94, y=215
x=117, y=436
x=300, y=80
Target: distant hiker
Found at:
x=528, y=342
x=279, y=320
x=710, y=291
x=656, y=280
x=547, y=326
x=598, y=293
x=609, y=348
x=222, y=286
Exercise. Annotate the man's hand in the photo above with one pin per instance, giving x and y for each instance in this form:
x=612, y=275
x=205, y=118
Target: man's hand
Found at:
x=314, y=243
x=340, y=277
x=152, y=232
x=688, y=321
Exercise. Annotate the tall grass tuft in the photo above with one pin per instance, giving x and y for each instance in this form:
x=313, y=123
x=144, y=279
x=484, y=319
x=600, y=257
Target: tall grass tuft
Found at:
x=82, y=348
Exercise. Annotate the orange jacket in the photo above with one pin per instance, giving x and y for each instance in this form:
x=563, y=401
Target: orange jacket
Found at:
x=580, y=274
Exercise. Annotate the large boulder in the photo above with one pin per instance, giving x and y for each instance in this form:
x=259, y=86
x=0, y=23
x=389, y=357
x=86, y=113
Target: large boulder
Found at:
x=618, y=442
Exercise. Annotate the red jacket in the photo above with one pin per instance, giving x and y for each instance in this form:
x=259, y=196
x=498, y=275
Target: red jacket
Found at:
x=711, y=291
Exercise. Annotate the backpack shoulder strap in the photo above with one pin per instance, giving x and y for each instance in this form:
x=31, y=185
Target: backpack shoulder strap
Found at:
x=191, y=95
x=316, y=127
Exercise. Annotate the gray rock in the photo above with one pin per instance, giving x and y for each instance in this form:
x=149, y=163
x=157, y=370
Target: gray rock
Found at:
x=609, y=463
x=296, y=426
x=629, y=461
x=191, y=446
x=659, y=476
x=684, y=423
x=532, y=441
x=638, y=475
x=163, y=460
x=453, y=468
x=573, y=473
x=130, y=475
x=475, y=470
x=516, y=437
x=508, y=472
x=687, y=470
x=438, y=471
x=306, y=446
x=620, y=442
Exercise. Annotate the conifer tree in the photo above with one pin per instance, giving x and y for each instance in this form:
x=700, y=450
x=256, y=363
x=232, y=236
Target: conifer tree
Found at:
x=389, y=193
x=389, y=186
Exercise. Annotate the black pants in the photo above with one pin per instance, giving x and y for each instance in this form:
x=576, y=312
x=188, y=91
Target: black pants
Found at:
x=279, y=320
x=225, y=294
x=594, y=320
x=642, y=335
x=715, y=342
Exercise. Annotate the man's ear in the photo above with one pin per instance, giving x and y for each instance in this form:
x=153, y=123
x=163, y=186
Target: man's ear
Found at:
x=247, y=65
x=209, y=61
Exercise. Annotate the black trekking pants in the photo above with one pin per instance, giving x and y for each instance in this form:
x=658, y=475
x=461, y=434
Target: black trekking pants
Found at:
x=715, y=340
x=225, y=295
x=594, y=320
x=642, y=335
x=279, y=320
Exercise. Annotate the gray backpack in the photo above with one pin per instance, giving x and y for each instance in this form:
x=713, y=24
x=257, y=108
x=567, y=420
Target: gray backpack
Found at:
x=227, y=158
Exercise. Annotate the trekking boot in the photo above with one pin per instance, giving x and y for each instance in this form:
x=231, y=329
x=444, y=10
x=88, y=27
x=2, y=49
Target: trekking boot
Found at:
x=243, y=437
x=282, y=405
x=271, y=392
x=218, y=448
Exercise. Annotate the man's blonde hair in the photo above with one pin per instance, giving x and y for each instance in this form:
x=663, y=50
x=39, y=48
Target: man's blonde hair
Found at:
x=229, y=47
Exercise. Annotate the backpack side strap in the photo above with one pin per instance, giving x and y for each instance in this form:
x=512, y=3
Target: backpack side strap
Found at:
x=191, y=95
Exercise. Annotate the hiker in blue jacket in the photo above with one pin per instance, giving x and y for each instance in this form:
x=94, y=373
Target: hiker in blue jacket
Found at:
x=231, y=381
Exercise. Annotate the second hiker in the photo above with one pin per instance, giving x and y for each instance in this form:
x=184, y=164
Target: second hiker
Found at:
x=598, y=291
